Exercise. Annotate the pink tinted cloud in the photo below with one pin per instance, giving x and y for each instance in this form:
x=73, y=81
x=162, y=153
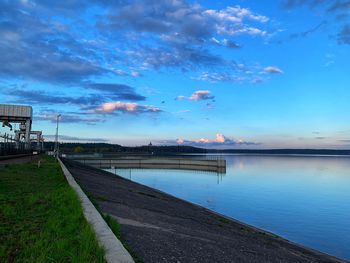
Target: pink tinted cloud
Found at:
x=197, y=96
x=201, y=95
x=220, y=140
x=125, y=107
x=180, y=141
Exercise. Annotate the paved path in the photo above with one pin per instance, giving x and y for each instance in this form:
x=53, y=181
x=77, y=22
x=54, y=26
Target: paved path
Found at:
x=161, y=228
x=114, y=250
x=19, y=160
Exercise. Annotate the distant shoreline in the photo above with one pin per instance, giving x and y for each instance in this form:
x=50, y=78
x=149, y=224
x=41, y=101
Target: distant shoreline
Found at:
x=285, y=152
x=274, y=154
x=107, y=148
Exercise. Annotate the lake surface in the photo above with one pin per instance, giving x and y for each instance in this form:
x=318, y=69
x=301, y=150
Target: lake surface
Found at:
x=303, y=199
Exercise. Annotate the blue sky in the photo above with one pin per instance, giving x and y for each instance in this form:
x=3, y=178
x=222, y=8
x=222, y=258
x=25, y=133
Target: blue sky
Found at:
x=222, y=74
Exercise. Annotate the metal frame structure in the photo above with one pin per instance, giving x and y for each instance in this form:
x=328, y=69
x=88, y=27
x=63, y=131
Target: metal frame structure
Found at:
x=9, y=146
x=18, y=114
x=39, y=140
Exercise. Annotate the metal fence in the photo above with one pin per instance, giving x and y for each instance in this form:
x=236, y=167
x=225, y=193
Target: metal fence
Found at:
x=213, y=165
x=9, y=146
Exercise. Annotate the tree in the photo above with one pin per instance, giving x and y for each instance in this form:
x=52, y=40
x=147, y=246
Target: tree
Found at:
x=78, y=149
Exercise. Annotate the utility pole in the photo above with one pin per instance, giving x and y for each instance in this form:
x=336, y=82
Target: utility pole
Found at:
x=56, y=138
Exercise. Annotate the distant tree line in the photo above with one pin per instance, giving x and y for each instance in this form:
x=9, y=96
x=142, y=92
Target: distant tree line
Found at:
x=116, y=148
x=284, y=151
x=152, y=149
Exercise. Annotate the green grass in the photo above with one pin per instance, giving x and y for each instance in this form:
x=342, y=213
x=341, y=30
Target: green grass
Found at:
x=114, y=226
x=41, y=219
x=224, y=220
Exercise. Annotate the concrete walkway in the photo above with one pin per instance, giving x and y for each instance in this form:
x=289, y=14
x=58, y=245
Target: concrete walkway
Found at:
x=114, y=250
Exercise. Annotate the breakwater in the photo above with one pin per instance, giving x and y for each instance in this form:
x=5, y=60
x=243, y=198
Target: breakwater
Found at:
x=218, y=166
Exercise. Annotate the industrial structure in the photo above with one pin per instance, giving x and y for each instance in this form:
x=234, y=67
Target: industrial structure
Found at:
x=23, y=115
x=37, y=139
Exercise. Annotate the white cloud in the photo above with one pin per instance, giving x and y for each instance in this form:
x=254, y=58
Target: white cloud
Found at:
x=225, y=42
x=120, y=72
x=235, y=14
x=230, y=43
x=218, y=77
x=181, y=97
x=135, y=73
x=272, y=70
x=125, y=107
x=241, y=76
x=231, y=21
x=180, y=31
x=151, y=35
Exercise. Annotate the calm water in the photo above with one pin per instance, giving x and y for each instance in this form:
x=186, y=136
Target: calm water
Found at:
x=304, y=199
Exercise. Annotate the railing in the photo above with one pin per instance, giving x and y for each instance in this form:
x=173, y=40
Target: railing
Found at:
x=197, y=156
x=218, y=166
x=9, y=146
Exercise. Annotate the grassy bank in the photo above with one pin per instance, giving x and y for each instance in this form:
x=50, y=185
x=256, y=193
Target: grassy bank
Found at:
x=41, y=219
x=114, y=226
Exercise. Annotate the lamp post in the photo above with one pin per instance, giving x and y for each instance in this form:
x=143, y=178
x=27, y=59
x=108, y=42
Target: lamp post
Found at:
x=56, y=138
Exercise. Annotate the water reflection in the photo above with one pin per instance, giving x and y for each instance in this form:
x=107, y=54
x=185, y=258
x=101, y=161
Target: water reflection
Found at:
x=127, y=173
x=304, y=199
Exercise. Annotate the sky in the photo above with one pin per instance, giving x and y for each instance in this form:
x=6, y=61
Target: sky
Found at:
x=214, y=74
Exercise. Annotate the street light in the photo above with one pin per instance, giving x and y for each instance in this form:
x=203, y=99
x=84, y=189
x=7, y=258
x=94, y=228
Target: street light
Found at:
x=56, y=138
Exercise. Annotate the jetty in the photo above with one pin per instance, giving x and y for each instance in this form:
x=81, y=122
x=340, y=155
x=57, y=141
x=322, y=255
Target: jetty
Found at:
x=135, y=162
